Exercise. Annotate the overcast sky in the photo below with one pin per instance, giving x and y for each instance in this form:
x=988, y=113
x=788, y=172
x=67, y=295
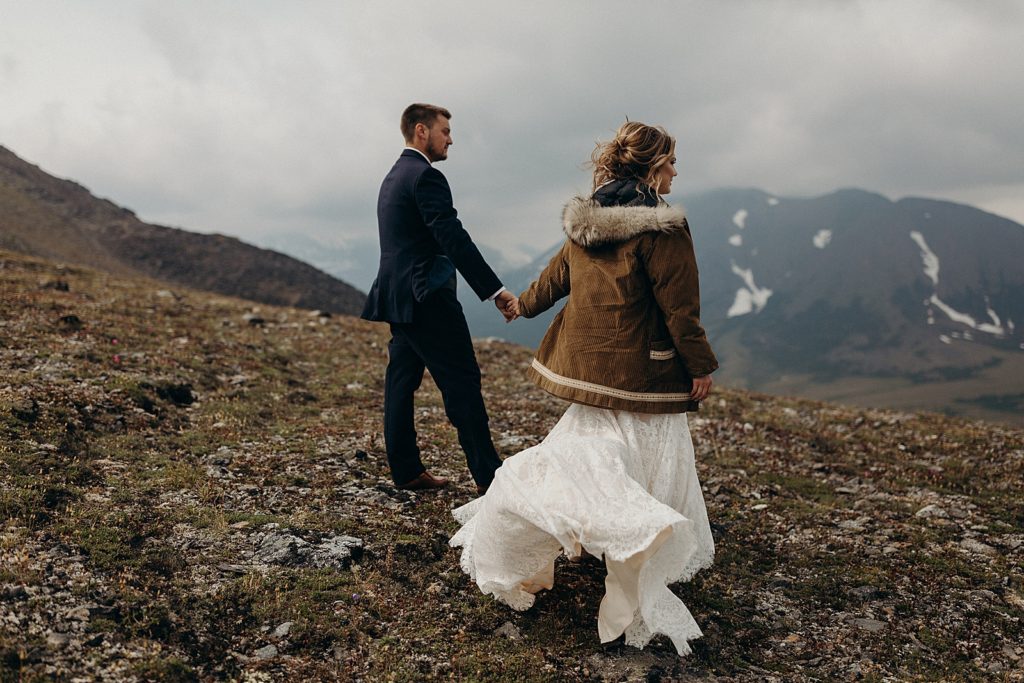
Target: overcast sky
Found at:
x=253, y=118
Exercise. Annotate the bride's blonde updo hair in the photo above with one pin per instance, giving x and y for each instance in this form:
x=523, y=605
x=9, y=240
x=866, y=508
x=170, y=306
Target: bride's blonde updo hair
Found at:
x=637, y=151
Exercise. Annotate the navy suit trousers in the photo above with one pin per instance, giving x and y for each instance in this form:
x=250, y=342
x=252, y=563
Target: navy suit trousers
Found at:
x=437, y=340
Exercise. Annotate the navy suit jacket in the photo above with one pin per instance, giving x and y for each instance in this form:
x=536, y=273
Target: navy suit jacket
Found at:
x=419, y=227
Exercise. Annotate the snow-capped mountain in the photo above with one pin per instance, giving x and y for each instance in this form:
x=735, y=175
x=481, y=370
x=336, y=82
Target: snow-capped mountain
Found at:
x=852, y=296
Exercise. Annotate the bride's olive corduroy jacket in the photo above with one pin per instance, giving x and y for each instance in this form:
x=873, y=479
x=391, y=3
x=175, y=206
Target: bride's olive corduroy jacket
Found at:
x=629, y=337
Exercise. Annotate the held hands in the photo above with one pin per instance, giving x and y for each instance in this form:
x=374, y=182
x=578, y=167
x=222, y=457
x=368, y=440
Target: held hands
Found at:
x=508, y=304
x=701, y=388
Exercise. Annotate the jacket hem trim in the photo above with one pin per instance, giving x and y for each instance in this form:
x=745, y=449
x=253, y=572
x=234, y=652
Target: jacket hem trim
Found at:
x=606, y=391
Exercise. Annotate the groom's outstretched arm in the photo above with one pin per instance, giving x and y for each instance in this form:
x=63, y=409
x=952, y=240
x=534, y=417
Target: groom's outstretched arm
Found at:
x=434, y=200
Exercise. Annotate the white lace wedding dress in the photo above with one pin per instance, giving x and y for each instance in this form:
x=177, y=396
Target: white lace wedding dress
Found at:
x=621, y=485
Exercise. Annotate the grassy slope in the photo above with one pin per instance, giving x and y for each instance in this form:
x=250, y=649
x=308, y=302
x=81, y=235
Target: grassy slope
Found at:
x=993, y=391
x=122, y=497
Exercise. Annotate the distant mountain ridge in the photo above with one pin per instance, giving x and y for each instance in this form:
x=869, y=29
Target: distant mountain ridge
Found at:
x=849, y=296
x=58, y=219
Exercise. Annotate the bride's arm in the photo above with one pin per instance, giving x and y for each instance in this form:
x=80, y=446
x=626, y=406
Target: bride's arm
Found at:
x=672, y=268
x=550, y=286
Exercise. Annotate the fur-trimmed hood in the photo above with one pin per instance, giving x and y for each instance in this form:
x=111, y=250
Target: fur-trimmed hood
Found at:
x=629, y=337
x=589, y=224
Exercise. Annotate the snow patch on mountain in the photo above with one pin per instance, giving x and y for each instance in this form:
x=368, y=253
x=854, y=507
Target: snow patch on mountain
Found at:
x=931, y=261
x=772, y=201
x=736, y=240
x=822, y=238
x=739, y=218
x=931, y=269
x=994, y=328
x=749, y=299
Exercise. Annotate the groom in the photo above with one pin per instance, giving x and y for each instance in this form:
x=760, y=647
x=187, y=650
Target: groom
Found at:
x=422, y=243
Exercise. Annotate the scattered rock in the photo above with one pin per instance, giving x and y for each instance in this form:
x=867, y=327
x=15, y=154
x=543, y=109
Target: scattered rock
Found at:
x=266, y=652
x=511, y=441
x=869, y=625
x=282, y=630
x=631, y=667
x=975, y=546
x=222, y=456
x=984, y=596
x=931, y=511
x=302, y=396
x=863, y=592
x=13, y=592
x=287, y=549
x=80, y=613
x=508, y=630
x=217, y=463
x=26, y=410
x=56, y=285
x=281, y=549
x=337, y=551
x=57, y=640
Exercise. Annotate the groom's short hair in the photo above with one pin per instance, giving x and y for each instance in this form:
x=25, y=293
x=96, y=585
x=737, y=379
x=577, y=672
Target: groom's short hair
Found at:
x=420, y=113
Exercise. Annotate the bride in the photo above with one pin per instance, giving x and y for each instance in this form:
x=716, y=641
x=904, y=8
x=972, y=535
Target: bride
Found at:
x=616, y=475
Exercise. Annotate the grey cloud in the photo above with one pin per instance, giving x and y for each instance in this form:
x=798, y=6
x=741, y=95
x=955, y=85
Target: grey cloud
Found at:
x=273, y=118
x=8, y=68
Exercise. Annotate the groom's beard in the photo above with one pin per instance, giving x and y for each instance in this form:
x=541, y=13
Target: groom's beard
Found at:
x=438, y=153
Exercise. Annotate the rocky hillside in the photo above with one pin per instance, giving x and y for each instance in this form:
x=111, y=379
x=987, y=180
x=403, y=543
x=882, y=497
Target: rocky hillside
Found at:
x=60, y=220
x=192, y=488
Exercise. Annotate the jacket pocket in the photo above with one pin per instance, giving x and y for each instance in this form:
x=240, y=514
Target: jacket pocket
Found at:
x=662, y=350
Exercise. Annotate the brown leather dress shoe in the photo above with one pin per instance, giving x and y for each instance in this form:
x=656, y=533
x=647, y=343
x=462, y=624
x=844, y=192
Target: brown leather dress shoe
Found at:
x=424, y=481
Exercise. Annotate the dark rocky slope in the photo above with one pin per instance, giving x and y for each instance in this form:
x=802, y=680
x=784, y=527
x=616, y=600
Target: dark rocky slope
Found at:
x=60, y=220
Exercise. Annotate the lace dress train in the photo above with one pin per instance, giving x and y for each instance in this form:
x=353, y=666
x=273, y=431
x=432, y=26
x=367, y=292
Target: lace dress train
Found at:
x=618, y=484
